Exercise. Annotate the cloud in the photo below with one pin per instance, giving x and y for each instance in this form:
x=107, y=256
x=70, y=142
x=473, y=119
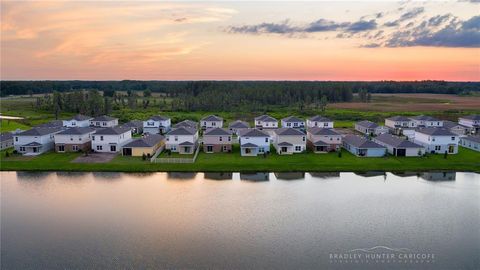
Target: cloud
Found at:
x=323, y=25
x=361, y=26
x=263, y=28
x=412, y=13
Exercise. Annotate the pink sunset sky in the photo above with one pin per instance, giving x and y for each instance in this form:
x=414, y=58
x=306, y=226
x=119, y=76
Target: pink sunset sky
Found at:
x=117, y=40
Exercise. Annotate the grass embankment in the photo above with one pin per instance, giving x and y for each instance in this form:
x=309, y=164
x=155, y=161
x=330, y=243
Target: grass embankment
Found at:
x=11, y=125
x=465, y=160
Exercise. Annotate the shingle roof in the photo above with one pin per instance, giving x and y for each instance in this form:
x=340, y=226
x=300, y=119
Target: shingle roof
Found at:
x=33, y=144
x=285, y=144
x=40, y=131
x=367, y=124
x=360, y=142
x=253, y=132
x=435, y=131
x=289, y=132
x=133, y=123
x=147, y=141
x=451, y=124
x=424, y=118
x=320, y=143
x=318, y=118
x=471, y=117
x=186, y=123
x=239, y=124
x=292, y=119
x=266, y=118
x=112, y=130
x=217, y=131
x=6, y=136
x=472, y=138
x=76, y=131
x=186, y=143
x=396, y=141
x=103, y=118
x=249, y=145
x=323, y=131
x=54, y=123
x=182, y=131
x=158, y=118
x=212, y=118
x=80, y=117
x=399, y=118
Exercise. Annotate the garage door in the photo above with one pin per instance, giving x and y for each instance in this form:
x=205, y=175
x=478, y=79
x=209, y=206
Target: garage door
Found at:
x=401, y=152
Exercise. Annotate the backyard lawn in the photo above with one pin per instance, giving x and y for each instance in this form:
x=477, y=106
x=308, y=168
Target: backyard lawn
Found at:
x=10, y=125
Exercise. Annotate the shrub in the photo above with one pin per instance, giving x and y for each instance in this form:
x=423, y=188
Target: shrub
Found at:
x=7, y=154
x=340, y=153
x=144, y=157
x=445, y=155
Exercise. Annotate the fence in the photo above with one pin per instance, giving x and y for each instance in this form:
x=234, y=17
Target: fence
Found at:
x=154, y=159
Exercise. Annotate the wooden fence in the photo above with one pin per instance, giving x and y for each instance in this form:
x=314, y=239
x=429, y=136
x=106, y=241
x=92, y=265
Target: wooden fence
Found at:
x=154, y=159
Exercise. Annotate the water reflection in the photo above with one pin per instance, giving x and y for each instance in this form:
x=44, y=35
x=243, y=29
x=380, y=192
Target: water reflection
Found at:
x=438, y=176
x=406, y=174
x=33, y=176
x=255, y=177
x=181, y=175
x=218, y=175
x=370, y=174
x=325, y=175
x=290, y=175
x=108, y=176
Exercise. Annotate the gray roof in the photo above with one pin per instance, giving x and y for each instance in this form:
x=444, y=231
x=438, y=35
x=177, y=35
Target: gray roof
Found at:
x=77, y=131
x=266, y=118
x=5, y=136
x=40, y=131
x=212, y=118
x=292, y=119
x=399, y=118
x=472, y=138
x=318, y=118
x=186, y=123
x=435, y=131
x=158, y=118
x=367, y=124
x=285, y=144
x=54, y=123
x=424, y=118
x=81, y=117
x=33, y=144
x=472, y=117
x=239, y=124
x=133, y=123
x=253, y=132
x=320, y=143
x=451, y=124
x=396, y=141
x=147, y=141
x=289, y=132
x=323, y=131
x=182, y=131
x=186, y=143
x=103, y=118
x=249, y=145
x=360, y=142
x=112, y=130
x=216, y=132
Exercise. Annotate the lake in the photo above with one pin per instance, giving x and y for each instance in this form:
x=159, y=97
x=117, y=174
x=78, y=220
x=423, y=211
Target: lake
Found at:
x=60, y=220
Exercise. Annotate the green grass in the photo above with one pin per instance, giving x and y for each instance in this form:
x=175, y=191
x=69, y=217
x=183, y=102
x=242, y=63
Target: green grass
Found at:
x=11, y=125
x=465, y=160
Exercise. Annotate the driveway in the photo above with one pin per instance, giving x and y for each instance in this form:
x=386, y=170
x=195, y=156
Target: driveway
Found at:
x=95, y=158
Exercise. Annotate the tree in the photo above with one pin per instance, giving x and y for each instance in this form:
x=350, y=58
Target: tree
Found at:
x=57, y=103
x=107, y=105
x=147, y=93
x=323, y=103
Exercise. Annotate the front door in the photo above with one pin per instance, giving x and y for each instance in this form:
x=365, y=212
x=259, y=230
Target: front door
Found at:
x=127, y=151
x=284, y=149
x=35, y=149
x=209, y=148
x=113, y=148
x=187, y=149
x=451, y=149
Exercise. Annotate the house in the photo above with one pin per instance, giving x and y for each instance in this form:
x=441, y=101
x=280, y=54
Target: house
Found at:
x=211, y=121
x=472, y=121
x=289, y=141
x=183, y=140
x=111, y=139
x=253, y=142
x=292, y=122
x=36, y=141
x=471, y=142
x=74, y=139
x=148, y=145
x=186, y=123
x=437, y=140
x=136, y=126
x=104, y=121
x=399, y=147
x=363, y=147
x=217, y=140
x=6, y=140
x=265, y=122
x=51, y=124
x=370, y=128
x=457, y=128
x=322, y=140
x=426, y=121
x=399, y=123
x=319, y=121
x=78, y=120
x=157, y=125
x=236, y=126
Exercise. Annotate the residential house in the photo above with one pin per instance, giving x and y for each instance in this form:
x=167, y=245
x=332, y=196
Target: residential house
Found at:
x=289, y=141
x=186, y=123
x=78, y=120
x=472, y=121
x=74, y=139
x=437, y=140
x=319, y=121
x=183, y=140
x=398, y=146
x=136, y=126
x=457, y=128
x=363, y=147
x=471, y=142
x=217, y=140
x=111, y=139
x=322, y=140
x=399, y=123
x=211, y=121
x=147, y=145
x=51, y=124
x=36, y=141
x=104, y=121
x=236, y=126
x=265, y=122
x=253, y=142
x=6, y=140
x=292, y=122
x=426, y=121
x=370, y=128
x=157, y=125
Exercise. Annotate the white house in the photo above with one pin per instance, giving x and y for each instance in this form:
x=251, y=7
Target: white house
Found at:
x=78, y=120
x=399, y=123
x=238, y=125
x=211, y=121
x=471, y=142
x=266, y=122
x=370, y=128
x=457, y=128
x=399, y=147
x=426, y=121
x=111, y=139
x=74, y=139
x=289, y=141
x=157, y=125
x=183, y=140
x=36, y=141
x=319, y=121
x=292, y=122
x=104, y=121
x=437, y=140
x=472, y=121
x=253, y=142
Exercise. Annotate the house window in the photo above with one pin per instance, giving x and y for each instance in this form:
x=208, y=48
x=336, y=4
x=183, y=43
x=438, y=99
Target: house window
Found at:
x=437, y=147
x=229, y=138
x=209, y=148
x=104, y=123
x=214, y=123
x=61, y=148
x=176, y=138
x=113, y=148
x=325, y=124
x=16, y=139
x=453, y=138
x=75, y=147
x=71, y=138
x=99, y=148
x=101, y=138
x=288, y=124
x=266, y=139
x=295, y=124
x=220, y=138
x=261, y=150
x=93, y=137
x=433, y=139
x=303, y=138
x=298, y=148
x=22, y=149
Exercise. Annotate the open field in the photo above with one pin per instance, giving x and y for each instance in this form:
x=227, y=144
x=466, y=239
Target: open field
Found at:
x=465, y=160
x=11, y=125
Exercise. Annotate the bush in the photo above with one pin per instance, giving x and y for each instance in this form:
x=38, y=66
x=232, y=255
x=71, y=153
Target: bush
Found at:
x=340, y=153
x=148, y=155
x=445, y=155
x=15, y=152
x=144, y=157
x=7, y=154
